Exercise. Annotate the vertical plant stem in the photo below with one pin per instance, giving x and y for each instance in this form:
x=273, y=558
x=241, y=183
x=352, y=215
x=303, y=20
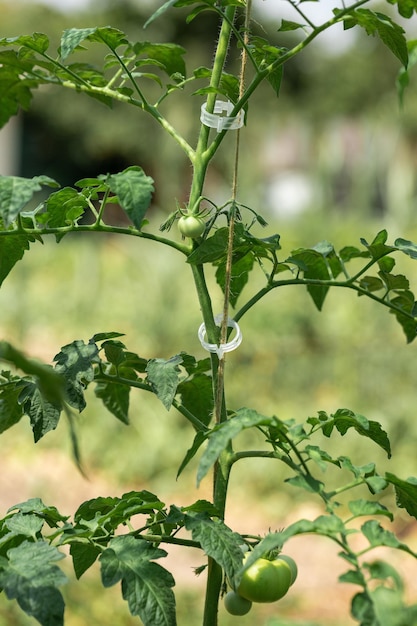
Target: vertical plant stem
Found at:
x=200, y=164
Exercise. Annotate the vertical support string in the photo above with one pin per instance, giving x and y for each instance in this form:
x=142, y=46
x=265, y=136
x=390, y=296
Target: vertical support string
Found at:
x=229, y=258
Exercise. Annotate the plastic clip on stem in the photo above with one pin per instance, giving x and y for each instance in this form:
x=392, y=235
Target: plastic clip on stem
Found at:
x=223, y=347
x=222, y=122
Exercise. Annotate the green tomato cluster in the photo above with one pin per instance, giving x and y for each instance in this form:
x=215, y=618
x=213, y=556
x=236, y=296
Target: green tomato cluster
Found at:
x=264, y=581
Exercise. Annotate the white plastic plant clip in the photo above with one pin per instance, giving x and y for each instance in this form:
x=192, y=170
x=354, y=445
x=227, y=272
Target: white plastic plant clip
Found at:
x=222, y=122
x=223, y=347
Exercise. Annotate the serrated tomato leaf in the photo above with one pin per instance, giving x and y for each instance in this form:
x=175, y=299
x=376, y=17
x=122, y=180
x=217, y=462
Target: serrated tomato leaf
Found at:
x=146, y=586
x=217, y=540
x=134, y=190
x=163, y=375
x=405, y=491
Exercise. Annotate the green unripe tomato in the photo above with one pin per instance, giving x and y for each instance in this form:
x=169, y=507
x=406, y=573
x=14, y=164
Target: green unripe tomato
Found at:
x=292, y=565
x=235, y=604
x=191, y=226
x=265, y=581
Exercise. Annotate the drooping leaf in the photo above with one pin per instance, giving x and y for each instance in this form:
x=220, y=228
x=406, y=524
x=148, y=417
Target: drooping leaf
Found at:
x=11, y=411
x=344, y=419
x=146, y=586
x=164, y=378
x=218, y=541
x=134, y=190
x=313, y=265
x=115, y=398
x=31, y=577
x=405, y=491
x=83, y=557
x=199, y=439
x=241, y=268
x=44, y=415
x=197, y=396
x=72, y=38
x=12, y=249
x=406, y=313
x=75, y=363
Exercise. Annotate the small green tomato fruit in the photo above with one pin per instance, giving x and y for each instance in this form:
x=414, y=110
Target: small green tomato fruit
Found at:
x=292, y=565
x=191, y=226
x=265, y=581
x=235, y=604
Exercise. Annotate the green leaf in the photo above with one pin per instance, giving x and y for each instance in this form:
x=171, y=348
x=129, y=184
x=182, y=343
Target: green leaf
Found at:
x=406, y=492
x=31, y=577
x=375, y=23
x=344, y=419
x=371, y=283
x=159, y=12
x=73, y=37
x=265, y=56
x=115, y=398
x=164, y=377
x=406, y=313
x=38, y=42
x=288, y=25
x=241, y=266
x=168, y=56
x=406, y=8
x=307, y=482
x=16, y=192
x=222, y=434
x=50, y=514
x=84, y=555
x=199, y=439
x=12, y=249
x=366, y=507
x=327, y=525
x=44, y=415
x=134, y=190
x=49, y=381
x=313, y=265
x=212, y=249
x=407, y=247
x=378, y=536
x=146, y=586
x=11, y=411
x=197, y=396
x=27, y=524
x=64, y=207
x=15, y=91
x=218, y=541
x=75, y=363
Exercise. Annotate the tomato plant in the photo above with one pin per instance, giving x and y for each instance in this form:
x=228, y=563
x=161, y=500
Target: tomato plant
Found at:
x=128, y=536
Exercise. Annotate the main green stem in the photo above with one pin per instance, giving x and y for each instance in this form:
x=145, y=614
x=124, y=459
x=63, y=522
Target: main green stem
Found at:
x=200, y=165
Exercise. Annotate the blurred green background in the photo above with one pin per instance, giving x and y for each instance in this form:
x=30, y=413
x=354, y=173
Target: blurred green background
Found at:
x=333, y=158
